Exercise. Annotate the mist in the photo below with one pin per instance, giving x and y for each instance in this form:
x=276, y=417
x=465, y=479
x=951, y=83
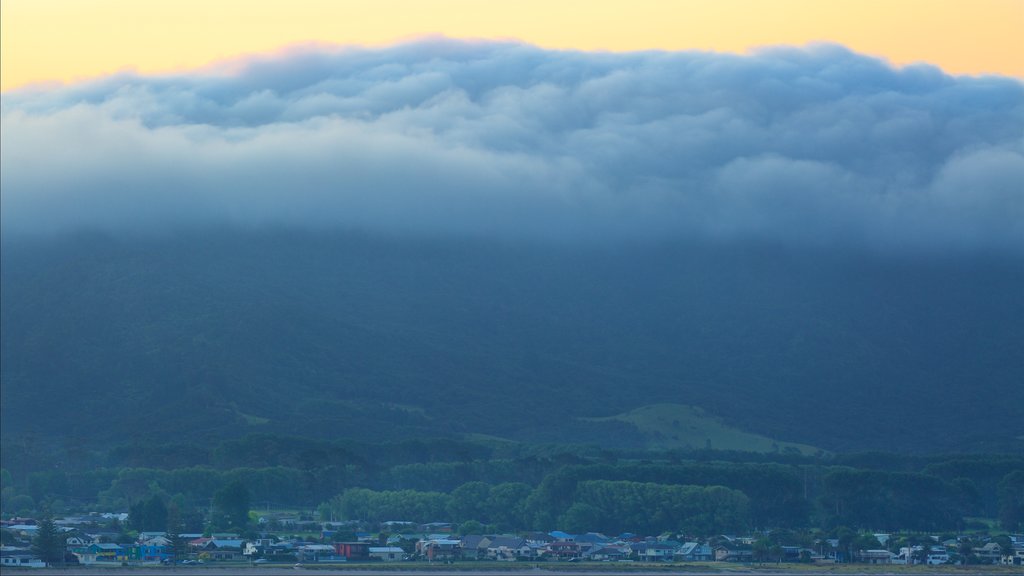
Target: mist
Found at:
x=813, y=146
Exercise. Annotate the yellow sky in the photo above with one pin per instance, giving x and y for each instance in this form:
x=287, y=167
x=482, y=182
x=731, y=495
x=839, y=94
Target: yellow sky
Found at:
x=65, y=40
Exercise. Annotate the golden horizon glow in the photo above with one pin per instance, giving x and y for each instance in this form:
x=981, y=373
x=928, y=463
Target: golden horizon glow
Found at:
x=70, y=40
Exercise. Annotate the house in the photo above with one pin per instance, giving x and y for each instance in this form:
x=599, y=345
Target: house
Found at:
x=991, y=553
x=876, y=556
x=267, y=548
x=592, y=538
x=438, y=527
x=734, y=552
x=655, y=551
x=19, y=520
x=353, y=551
x=24, y=530
x=609, y=553
x=157, y=541
x=562, y=550
x=102, y=552
x=79, y=541
x=538, y=539
x=508, y=548
x=439, y=550
x=386, y=553
x=694, y=552
x=318, y=553
x=474, y=546
x=196, y=545
x=150, y=551
x=936, y=555
x=222, y=549
x=19, y=558
x=1015, y=559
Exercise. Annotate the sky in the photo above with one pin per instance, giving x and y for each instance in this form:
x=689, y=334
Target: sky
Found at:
x=65, y=40
x=870, y=124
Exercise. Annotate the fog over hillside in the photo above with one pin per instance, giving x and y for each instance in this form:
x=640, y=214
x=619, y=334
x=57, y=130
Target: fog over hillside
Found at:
x=449, y=237
x=813, y=145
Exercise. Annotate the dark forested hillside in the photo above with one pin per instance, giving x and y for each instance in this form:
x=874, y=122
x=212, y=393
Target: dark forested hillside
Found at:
x=227, y=334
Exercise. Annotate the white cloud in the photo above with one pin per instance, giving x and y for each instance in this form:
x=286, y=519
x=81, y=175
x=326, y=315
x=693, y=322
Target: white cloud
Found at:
x=813, y=145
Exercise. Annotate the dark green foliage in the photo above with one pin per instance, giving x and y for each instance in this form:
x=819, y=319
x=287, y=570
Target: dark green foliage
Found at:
x=506, y=486
x=502, y=505
x=349, y=336
x=469, y=501
x=408, y=505
x=48, y=543
x=983, y=471
x=506, y=504
x=1011, y=501
x=148, y=515
x=175, y=527
x=877, y=500
x=231, y=507
x=470, y=527
x=581, y=517
x=648, y=508
x=775, y=491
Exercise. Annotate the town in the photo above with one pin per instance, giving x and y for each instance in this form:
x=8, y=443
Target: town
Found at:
x=285, y=539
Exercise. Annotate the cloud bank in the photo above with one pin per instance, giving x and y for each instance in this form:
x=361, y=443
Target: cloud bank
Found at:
x=814, y=145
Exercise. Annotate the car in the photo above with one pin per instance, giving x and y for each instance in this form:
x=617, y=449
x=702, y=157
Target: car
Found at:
x=260, y=561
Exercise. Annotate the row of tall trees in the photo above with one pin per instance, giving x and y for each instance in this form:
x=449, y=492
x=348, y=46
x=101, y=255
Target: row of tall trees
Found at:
x=869, y=493
x=701, y=499
x=229, y=511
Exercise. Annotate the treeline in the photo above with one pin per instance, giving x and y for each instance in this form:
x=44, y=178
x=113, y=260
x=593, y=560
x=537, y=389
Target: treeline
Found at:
x=702, y=498
x=603, y=505
x=543, y=487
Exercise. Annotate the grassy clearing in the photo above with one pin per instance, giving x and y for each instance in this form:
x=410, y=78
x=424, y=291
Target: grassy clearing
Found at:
x=689, y=427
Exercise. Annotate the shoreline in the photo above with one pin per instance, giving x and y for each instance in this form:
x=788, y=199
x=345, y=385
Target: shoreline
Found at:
x=604, y=570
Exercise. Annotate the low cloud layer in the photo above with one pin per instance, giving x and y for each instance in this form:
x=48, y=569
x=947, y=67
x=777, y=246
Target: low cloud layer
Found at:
x=813, y=145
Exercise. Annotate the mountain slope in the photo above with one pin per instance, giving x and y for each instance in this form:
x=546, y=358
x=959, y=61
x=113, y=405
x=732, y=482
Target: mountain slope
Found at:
x=348, y=335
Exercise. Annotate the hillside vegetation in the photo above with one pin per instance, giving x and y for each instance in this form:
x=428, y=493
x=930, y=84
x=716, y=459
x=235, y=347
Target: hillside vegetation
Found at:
x=668, y=426
x=348, y=336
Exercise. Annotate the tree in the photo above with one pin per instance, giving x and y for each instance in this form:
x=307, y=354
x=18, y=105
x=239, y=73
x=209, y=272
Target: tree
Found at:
x=866, y=541
x=1005, y=544
x=470, y=527
x=231, y=506
x=469, y=502
x=920, y=555
x=760, y=548
x=175, y=525
x=48, y=543
x=846, y=538
x=580, y=517
x=966, y=551
x=505, y=504
x=148, y=515
x=1011, y=501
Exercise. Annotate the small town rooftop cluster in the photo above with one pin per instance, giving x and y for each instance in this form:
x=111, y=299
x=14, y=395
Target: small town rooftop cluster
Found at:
x=316, y=542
